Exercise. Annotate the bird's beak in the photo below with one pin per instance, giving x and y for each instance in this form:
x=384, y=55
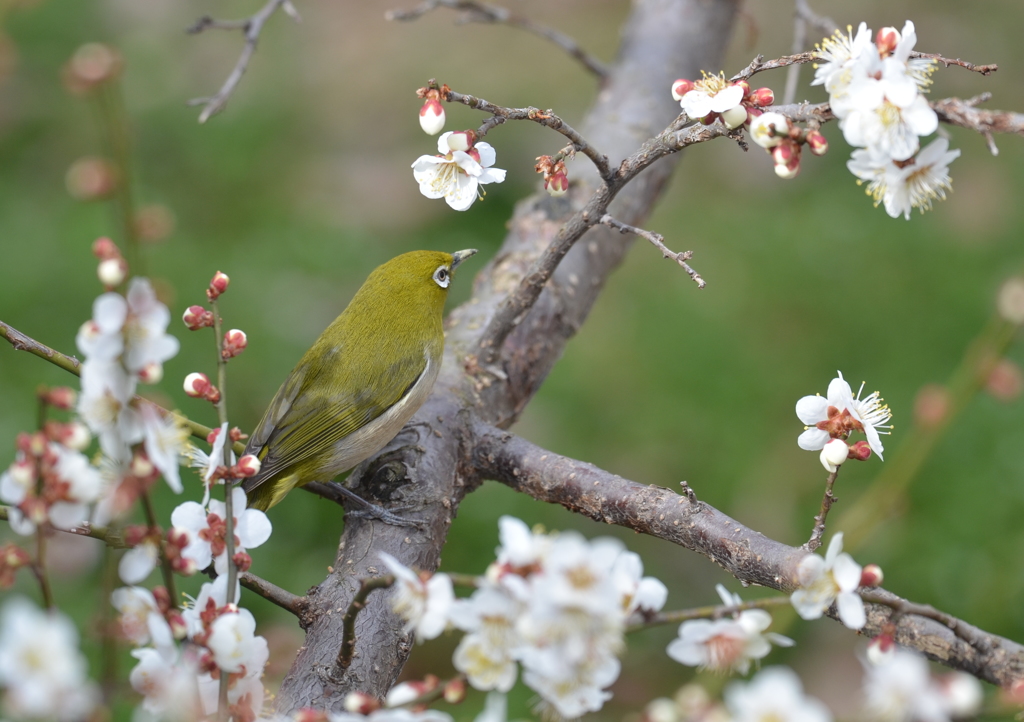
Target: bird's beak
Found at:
x=460, y=256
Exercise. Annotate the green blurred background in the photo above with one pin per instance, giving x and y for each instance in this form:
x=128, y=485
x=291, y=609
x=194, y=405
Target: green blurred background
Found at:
x=303, y=185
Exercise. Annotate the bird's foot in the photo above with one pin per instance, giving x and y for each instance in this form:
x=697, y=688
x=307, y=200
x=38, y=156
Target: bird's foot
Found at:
x=373, y=511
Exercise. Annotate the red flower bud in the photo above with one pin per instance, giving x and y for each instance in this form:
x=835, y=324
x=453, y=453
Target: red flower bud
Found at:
x=432, y=116
x=557, y=184
x=861, y=451
x=355, y=702
x=242, y=561
x=61, y=397
x=463, y=140
x=134, y=534
x=763, y=97
x=887, y=39
x=681, y=87
x=104, y=248
x=744, y=85
x=234, y=343
x=197, y=385
x=817, y=143
x=248, y=465
x=197, y=317
x=218, y=285
x=455, y=691
x=871, y=576
x=90, y=179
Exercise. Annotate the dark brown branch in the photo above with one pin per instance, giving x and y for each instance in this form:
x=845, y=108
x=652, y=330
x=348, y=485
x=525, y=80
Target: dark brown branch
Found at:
x=251, y=28
x=545, y=117
x=348, y=637
x=746, y=554
x=983, y=69
x=819, y=521
x=281, y=597
x=479, y=12
x=659, y=242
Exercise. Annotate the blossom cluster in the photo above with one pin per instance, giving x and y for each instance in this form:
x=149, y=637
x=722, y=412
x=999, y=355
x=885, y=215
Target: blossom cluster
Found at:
x=876, y=89
x=555, y=605
x=458, y=172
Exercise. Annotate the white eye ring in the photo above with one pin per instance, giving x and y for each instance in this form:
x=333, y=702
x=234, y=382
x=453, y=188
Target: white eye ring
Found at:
x=442, y=276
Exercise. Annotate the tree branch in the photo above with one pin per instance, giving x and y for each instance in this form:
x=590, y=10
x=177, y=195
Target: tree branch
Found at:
x=479, y=12
x=746, y=554
x=251, y=28
x=658, y=241
x=281, y=597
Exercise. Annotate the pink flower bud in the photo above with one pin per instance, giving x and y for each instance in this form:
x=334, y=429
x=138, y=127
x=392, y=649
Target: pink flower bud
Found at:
x=788, y=171
x=197, y=384
x=178, y=537
x=887, y=39
x=744, y=86
x=93, y=63
x=861, y=451
x=881, y=648
x=62, y=397
x=197, y=317
x=455, y=691
x=681, y=87
x=34, y=509
x=734, y=117
x=871, y=576
x=75, y=435
x=14, y=557
x=462, y=140
x=35, y=443
x=557, y=184
x=218, y=285
x=355, y=702
x=1005, y=382
x=90, y=179
x=112, y=272
x=248, y=465
x=23, y=472
x=783, y=153
x=154, y=223
x=931, y=407
x=104, y=248
x=242, y=561
x=135, y=534
x=176, y=622
x=763, y=97
x=817, y=143
x=432, y=117
x=142, y=467
x=211, y=437
x=234, y=343
x=151, y=373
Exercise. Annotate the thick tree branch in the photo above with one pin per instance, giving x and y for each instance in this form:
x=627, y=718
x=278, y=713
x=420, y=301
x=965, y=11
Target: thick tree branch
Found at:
x=479, y=12
x=281, y=597
x=746, y=554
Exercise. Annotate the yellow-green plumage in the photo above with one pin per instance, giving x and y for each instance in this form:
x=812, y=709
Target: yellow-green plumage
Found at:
x=365, y=376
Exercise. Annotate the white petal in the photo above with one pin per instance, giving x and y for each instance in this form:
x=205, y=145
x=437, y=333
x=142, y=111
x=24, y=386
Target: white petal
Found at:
x=812, y=409
x=190, y=516
x=846, y=572
x=442, y=143
x=851, y=610
x=727, y=98
x=812, y=439
x=487, y=154
x=491, y=175
x=696, y=104
x=839, y=393
x=835, y=548
x=137, y=563
x=253, y=528
x=462, y=196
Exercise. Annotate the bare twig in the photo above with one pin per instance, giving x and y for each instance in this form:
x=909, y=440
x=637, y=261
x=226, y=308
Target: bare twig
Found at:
x=659, y=242
x=544, y=117
x=271, y=592
x=983, y=69
x=251, y=28
x=479, y=12
x=759, y=64
x=819, y=521
x=712, y=612
x=986, y=122
x=348, y=639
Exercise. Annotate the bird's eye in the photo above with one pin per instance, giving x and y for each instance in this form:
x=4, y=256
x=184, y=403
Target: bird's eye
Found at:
x=442, y=277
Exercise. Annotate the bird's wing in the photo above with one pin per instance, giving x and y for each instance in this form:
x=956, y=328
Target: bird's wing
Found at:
x=300, y=425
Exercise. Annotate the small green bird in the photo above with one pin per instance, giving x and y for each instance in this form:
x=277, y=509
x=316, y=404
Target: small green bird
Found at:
x=361, y=381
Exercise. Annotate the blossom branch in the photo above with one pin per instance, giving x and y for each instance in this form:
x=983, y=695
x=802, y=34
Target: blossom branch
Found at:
x=963, y=113
x=546, y=118
x=484, y=13
x=712, y=612
x=983, y=69
x=659, y=242
x=900, y=607
x=348, y=638
x=759, y=64
x=251, y=27
x=819, y=521
x=271, y=592
x=746, y=554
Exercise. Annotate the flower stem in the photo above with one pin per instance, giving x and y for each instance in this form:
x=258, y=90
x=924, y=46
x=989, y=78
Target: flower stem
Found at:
x=39, y=568
x=819, y=521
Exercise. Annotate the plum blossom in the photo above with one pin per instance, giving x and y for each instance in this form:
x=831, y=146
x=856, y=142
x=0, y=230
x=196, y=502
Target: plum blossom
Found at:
x=902, y=689
x=141, y=621
x=834, y=578
x=457, y=175
x=422, y=602
x=69, y=484
x=711, y=94
x=146, y=340
x=207, y=529
x=902, y=187
x=724, y=645
x=839, y=413
x=166, y=442
x=773, y=695
x=169, y=685
x=41, y=667
x=485, y=654
x=201, y=610
x=235, y=646
x=139, y=561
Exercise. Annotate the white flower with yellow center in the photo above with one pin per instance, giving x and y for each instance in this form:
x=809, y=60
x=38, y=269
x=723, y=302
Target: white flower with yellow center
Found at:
x=456, y=175
x=712, y=94
x=832, y=579
x=903, y=186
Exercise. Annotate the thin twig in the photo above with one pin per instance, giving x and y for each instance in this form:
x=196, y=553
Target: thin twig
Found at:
x=759, y=64
x=819, y=521
x=268, y=590
x=983, y=69
x=348, y=639
x=39, y=568
x=545, y=117
x=111, y=537
x=659, y=242
x=479, y=12
x=251, y=27
x=711, y=612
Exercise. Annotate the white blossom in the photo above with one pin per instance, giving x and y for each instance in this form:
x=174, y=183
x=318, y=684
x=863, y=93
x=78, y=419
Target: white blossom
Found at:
x=169, y=685
x=422, y=603
x=141, y=621
x=212, y=596
x=391, y=714
x=889, y=129
x=769, y=129
x=235, y=646
x=838, y=413
x=486, y=654
x=711, y=94
x=457, y=175
x=902, y=689
x=839, y=52
x=166, y=443
x=207, y=529
x=773, y=695
x=145, y=331
x=832, y=579
x=901, y=187
x=41, y=667
x=138, y=562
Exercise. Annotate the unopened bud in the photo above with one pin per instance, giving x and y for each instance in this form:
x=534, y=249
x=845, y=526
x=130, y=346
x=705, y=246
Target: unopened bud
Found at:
x=179, y=628
x=104, y=248
x=462, y=140
x=763, y=97
x=151, y=373
x=557, y=184
x=817, y=143
x=236, y=434
x=62, y=397
x=178, y=537
x=76, y=436
x=218, y=285
x=35, y=510
x=142, y=467
x=211, y=437
x=681, y=87
x=931, y=406
x=196, y=384
x=887, y=39
x=834, y=454
x=783, y=153
x=154, y=223
x=752, y=114
x=404, y=693
x=1010, y=303
x=90, y=179
x=709, y=118
x=356, y=703
x=881, y=648
x=871, y=576
x=432, y=117
x=23, y=472
x=185, y=566
x=197, y=317
x=861, y=451
x=242, y=561
x=92, y=63
x=13, y=556
x=1005, y=381
x=455, y=691
x=135, y=534
x=34, y=443
x=112, y=272
x=248, y=465
x=734, y=117
x=234, y=343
